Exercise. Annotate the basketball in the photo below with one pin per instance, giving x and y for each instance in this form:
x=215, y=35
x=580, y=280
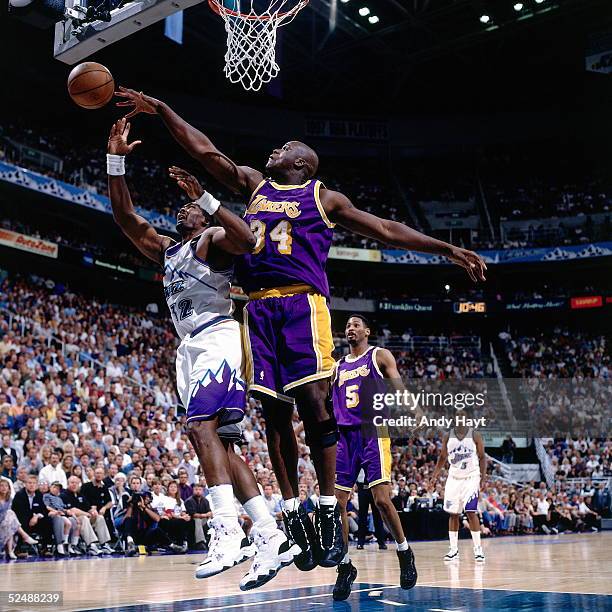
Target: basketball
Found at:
x=91, y=85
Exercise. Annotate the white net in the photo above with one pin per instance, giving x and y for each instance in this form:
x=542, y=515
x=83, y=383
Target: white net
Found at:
x=251, y=38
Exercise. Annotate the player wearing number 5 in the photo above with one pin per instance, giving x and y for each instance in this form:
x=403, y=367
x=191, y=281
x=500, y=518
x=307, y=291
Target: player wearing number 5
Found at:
x=365, y=372
x=288, y=339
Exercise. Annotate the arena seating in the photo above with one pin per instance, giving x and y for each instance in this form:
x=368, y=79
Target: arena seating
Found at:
x=548, y=210
x=97, y=391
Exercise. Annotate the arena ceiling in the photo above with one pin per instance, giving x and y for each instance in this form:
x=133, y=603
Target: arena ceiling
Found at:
x=423, y=56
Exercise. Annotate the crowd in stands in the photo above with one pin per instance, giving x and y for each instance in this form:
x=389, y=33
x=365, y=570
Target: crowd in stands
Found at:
x=94, y=459
x=369, y=186
x=558, y=354
x=543, y=199
x=564, y=379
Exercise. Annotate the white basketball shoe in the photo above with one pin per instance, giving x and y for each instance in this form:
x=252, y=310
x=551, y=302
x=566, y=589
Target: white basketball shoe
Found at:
x=452, y=554
x=228, y=546
x=274, y=551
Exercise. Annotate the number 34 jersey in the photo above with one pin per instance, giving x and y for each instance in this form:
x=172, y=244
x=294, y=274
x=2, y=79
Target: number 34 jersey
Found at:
x=293, y=238
x=196, y=294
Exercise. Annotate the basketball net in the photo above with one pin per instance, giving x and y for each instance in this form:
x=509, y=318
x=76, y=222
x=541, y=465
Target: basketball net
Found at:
x=250, y=58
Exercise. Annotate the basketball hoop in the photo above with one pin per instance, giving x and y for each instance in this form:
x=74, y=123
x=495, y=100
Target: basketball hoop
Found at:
x=251, y=38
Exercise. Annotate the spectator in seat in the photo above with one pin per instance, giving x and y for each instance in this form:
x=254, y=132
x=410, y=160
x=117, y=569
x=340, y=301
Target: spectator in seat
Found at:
x=65, y=528
x=198, y=508
x=77, y=507
x=99, y=500
x=53, y=472
x=185, y=489
x=31, y=462
x=174, y=519
x=9, y=524
x=8, y=468
x=272, y=501
x=31, y=512
x=6, y=449
x=541, y=513
x=591, y=519
x=140, y=521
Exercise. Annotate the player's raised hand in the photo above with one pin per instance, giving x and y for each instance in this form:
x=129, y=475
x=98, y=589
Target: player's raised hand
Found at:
x=473, y=263
x=118, y=139
x=187, y=182
x=137, y=101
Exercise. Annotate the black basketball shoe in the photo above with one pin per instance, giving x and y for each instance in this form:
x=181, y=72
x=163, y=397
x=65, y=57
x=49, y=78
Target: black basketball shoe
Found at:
x=328, y=527
x=301, y=531
x=347, y=573
x=408, y=572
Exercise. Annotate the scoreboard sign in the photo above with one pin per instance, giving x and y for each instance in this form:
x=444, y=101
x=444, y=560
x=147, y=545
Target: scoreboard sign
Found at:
x=467, y=307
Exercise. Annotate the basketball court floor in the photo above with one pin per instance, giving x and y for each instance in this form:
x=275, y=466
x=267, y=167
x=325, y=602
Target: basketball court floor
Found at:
x=556, y=573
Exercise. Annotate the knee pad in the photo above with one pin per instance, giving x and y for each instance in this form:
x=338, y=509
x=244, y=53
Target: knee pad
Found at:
x=322, y=434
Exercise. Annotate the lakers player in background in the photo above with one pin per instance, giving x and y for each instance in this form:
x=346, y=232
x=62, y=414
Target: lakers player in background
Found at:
x=464, y=450
x=197, y=276
x=288, y=338
x=365, y=371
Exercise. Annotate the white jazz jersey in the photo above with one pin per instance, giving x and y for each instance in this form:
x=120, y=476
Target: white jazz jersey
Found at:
x=195, y=293
x=462, y=455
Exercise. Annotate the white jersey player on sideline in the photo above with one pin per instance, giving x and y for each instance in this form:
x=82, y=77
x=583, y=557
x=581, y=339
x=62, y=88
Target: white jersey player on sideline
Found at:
x=464, y=450
x=197, y=277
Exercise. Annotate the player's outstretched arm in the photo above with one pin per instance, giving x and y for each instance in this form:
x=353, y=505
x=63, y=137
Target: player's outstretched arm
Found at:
x=234, y=236
x=341, y=210
x=136, y=228
x=240, y=179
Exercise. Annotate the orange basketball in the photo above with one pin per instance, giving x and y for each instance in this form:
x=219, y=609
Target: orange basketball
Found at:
x=91, y=85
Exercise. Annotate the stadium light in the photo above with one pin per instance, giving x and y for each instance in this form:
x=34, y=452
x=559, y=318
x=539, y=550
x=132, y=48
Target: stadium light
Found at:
x=485, y=19
x=364, y=11
x=344, y=1
x=373, y=19
x=518, y=7
x=539, y=1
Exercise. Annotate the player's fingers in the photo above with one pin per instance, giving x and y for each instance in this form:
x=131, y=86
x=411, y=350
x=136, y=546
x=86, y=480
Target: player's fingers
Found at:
x=182, y=185
x=126, y=129
x=131, y=114
x=126, y=103
x=134, y=144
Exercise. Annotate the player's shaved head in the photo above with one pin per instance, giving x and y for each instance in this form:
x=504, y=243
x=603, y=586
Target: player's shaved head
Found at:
x=293, y=162
x=308, y=154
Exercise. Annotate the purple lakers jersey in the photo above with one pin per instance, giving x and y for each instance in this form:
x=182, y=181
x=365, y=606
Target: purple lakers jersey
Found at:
x=356, y=382
x=293, y=238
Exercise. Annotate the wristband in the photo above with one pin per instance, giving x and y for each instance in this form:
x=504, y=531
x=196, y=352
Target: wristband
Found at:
x=208, y=203
x=115, y=164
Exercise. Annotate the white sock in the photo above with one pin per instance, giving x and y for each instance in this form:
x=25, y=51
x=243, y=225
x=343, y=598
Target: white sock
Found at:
x=345, y=559
x=403, y=545
x=475, y=538
x=453, y=536
x=292, y=504
x=74, y=540
x=258, y=511
x=130, y=540
x=222, y=502
x=327, y=500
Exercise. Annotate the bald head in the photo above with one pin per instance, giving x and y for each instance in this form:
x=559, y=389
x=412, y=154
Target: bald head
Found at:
x=293, y=163
x=307, y=155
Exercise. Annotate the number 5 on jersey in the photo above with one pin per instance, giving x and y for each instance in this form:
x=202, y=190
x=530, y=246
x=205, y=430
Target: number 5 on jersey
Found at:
x=352, y=396
x=281, y=234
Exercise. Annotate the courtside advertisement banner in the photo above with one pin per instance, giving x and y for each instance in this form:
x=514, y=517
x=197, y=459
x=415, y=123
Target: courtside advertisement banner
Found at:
x=30, y=244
